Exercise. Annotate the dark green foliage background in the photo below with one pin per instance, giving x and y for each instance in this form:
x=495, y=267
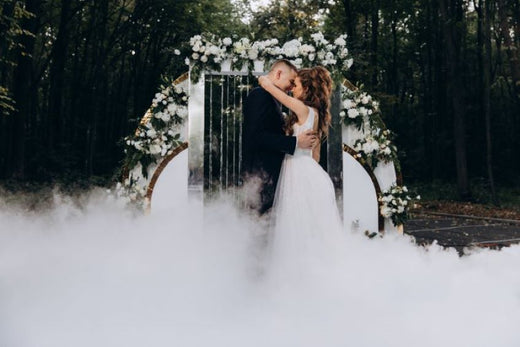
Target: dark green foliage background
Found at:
x=76, y=76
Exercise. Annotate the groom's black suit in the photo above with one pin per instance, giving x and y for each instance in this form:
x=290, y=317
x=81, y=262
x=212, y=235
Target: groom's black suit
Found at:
x=264, y=143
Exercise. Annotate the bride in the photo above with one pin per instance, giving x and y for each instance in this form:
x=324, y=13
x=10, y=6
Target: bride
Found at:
x=307, y=226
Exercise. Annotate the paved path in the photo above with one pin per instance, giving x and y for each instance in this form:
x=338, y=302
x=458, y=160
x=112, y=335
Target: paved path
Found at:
x=462, y=232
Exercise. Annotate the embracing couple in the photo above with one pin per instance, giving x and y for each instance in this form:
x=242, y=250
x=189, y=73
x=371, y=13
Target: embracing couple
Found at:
x=295, y=192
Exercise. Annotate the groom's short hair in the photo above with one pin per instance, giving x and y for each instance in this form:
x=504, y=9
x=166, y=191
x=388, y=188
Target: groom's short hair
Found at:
x=285, y=62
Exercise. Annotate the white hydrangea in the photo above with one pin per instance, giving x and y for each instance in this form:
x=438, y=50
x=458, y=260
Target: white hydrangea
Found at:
x=291, y=48
x=307, y=49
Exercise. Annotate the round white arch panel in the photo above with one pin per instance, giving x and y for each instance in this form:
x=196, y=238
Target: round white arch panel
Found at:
x=171, y=189
x=360, y=205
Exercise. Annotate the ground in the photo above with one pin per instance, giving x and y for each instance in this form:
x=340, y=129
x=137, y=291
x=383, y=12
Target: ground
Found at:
x=464, y=225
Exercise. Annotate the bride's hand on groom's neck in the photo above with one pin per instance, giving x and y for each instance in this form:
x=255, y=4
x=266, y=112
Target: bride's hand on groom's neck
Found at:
x=265, y=82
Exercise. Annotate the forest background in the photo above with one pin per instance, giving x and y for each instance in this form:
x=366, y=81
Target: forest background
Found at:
x=76, y=76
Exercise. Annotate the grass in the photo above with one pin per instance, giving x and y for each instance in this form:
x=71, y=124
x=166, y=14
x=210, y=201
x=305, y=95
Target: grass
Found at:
x=508, y=196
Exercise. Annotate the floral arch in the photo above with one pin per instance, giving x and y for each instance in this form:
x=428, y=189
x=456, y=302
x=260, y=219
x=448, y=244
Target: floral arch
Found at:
x=162, y=135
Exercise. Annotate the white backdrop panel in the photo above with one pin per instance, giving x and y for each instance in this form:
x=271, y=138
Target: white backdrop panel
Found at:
x=171, y=189
x=360, y=208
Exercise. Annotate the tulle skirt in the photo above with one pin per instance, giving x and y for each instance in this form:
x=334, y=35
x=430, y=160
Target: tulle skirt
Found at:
x=307, y=230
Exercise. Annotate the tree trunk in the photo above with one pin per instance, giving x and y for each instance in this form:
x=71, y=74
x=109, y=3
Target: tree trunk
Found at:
x=509, y=44
x=57, y=78
x=375, y=34
x=23, y=84
x=349, y=19
x=484, y=33
x=452, y=16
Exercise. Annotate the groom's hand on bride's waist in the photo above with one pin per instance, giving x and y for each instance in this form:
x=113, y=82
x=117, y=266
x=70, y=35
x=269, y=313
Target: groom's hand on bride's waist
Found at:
x=307, y=139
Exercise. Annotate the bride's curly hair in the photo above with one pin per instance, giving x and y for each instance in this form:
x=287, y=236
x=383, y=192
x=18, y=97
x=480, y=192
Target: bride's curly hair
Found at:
x=317, y=90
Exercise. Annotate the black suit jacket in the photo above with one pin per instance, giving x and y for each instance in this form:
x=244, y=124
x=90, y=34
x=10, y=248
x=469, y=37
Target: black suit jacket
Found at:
x=264, y=143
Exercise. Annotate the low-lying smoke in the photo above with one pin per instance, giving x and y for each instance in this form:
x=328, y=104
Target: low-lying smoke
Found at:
x=95, y=274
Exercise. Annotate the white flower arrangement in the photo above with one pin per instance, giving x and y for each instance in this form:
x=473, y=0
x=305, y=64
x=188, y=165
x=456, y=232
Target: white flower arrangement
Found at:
x=159, y=134
x=395, y=203
x=156, y=137
x=359, y=109
x=208, y=52
x=376, y=146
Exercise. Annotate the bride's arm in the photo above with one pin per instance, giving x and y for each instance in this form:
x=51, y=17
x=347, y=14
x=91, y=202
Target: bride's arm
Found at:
x=295, y=105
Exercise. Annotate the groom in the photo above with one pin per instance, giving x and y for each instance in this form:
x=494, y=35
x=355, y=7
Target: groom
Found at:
x=264, y=141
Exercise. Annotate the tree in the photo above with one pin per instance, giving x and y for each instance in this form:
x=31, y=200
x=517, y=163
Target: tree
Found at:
x=288, y=19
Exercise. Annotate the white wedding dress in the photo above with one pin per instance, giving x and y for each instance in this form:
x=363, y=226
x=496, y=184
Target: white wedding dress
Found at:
x=307, y=229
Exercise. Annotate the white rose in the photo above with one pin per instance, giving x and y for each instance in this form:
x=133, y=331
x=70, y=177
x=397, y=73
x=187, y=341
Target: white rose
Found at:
x=204, y=59
x=386, y=212
x=213, y=50
x=151, y=133
x=348, y=104
x=182, y=112
x=227, y=41
x=172, y=108
x=165, y=117
x=353, y=113
x=195, y=56
x=340, y=41
x=155, y=149
x=317, y=37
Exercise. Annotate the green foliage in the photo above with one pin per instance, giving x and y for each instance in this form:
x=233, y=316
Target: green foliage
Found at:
x=113, y=54
x=7, y=104
x=117, y=50
x=289, y=19
x=12, y=13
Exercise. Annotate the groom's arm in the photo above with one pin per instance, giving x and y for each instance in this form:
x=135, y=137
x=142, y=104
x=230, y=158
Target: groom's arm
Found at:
x=259, y=105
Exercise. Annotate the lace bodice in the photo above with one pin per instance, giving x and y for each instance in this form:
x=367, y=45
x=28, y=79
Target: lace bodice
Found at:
x=298, y=129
